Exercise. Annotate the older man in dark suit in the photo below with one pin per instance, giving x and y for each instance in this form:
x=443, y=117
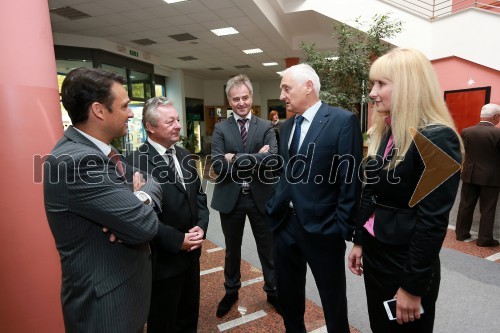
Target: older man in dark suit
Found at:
x=480, y=176
x=242, y=147
x=106, y=286
x=313, y=206
x=175, y=296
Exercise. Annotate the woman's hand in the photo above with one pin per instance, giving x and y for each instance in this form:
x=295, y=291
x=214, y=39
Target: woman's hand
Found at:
x=407, y=306
x=354, y=260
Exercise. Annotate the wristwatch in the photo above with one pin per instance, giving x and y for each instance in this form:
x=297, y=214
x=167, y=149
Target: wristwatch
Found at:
x=143, y=197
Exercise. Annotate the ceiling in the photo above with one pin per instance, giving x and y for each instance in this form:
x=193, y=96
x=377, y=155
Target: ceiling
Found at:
x=261, y=24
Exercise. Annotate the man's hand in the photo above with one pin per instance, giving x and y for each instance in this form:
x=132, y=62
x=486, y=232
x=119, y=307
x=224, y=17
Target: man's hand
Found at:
x=264, y=149
x=112, y=236
x=229, y=157
x=193, y=239
x=138, y=181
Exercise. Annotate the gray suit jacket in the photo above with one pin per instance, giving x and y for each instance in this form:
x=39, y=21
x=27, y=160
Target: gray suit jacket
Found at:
x=250, y=165
x=105, y=286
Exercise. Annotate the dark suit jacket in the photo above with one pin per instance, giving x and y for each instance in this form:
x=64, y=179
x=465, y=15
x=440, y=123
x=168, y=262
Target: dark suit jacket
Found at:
x=323, y=184
x=482, y=155
x=182, y=208
x=105, y=286
x=250, y=165
x=421, y=228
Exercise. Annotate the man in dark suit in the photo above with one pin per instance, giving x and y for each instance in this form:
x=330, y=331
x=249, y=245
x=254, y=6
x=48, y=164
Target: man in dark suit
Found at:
x=480, y=176
x=242, y=146
x=106, y=286
x=175, y=296
x=311, y=212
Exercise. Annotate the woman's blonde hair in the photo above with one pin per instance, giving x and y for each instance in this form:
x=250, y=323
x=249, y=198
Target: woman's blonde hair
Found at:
x=416, y=99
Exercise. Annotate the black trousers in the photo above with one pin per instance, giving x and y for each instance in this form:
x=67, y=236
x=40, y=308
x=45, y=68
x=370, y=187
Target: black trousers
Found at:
x=488, y=197
x=382, y=269
x=294, y=248
x=233, y=225
x=175, y=302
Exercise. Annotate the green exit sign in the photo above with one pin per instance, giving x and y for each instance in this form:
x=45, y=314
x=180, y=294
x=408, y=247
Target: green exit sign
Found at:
x=134, y=53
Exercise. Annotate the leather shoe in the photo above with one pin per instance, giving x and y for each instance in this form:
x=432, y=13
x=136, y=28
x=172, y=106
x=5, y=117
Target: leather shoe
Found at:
x=487, y=243
x=226, y=303
x=464, y=237
x=273, y=300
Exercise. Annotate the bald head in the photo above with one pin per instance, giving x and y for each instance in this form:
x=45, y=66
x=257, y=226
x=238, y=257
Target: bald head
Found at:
x=491, y=112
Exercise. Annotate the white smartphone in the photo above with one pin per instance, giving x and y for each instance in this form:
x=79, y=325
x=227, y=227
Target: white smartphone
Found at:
x=390, y=308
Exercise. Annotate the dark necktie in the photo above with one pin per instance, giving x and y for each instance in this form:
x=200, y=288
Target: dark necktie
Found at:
x=243, y=131
x=169, y=153
x=115, y=157
x=294, y=145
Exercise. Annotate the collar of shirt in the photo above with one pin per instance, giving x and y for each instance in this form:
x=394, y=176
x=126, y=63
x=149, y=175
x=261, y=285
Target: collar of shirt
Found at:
x=308, y=115
x=488, y=122
x=104, y=147
x=248, y=116
x=311, y=112
x=159, y=148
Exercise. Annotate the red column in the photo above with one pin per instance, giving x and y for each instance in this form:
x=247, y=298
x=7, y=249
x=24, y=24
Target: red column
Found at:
x=30, y=124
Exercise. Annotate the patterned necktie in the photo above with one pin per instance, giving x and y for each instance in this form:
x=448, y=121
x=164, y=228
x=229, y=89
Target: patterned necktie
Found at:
x=114, y=156
x=169, y=154
x=243, y=131
x=294, y=145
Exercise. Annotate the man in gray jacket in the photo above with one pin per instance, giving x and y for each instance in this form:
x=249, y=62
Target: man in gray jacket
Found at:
x=243, y=151
x=106, y=285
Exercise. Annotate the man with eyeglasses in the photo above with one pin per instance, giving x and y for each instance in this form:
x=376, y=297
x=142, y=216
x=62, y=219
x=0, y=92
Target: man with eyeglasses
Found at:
x=244, y=151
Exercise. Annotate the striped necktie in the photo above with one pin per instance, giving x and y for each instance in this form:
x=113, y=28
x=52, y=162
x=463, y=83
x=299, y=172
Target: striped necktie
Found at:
x=243, y=131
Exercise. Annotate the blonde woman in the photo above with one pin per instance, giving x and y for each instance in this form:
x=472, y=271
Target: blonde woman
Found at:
x=397, y=244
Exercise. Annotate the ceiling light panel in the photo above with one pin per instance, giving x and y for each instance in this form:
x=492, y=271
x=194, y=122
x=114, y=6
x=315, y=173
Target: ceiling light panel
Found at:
x=253, y=51
x=174, y=1
x=267, y=64
x=225, y=31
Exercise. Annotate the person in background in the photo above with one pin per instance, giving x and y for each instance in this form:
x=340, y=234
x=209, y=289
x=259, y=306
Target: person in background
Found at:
x=480, y=176
x=242, y=146
x=275, y=120
x=184, y=219
x=397, y=244
x=106, y=285
x=311, y=212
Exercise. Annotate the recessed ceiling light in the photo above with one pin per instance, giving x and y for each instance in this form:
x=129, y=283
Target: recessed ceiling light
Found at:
x=225, y=31
x=270, y=64
x=280, y=72
x=252, y=51
x=174, y=1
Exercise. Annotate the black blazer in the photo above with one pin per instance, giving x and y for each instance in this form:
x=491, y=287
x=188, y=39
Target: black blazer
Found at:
x=423, y=227
x=182, y=208
x=322, y=181
x=250, y=165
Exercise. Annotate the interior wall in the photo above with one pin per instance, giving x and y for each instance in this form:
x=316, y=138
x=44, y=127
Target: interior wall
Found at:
x=455, y=73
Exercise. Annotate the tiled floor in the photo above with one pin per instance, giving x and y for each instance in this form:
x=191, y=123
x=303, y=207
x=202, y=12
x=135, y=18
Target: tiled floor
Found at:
x=251, y=297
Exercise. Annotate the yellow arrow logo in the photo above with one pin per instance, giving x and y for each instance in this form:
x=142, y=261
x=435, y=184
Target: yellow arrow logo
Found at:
x=439, y=166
